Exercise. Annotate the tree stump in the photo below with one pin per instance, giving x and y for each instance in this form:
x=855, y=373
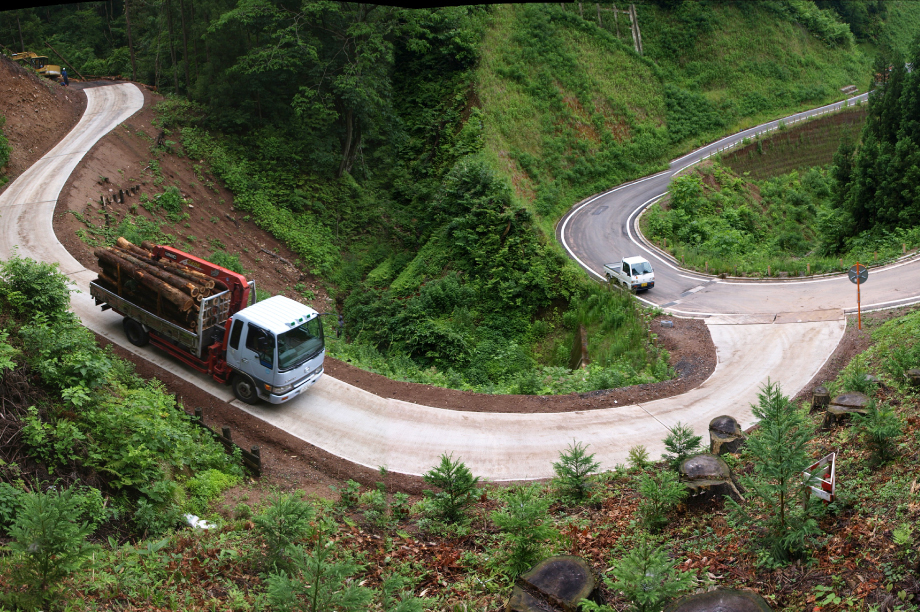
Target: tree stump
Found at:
x=708, y=473
x=913, y=377
x=725, y=435
x=721, y=600
x=820, y=398
x=555, y=584
x=842, y=406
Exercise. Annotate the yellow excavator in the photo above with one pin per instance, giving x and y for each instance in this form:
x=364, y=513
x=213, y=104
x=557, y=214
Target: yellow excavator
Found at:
x=39, y=63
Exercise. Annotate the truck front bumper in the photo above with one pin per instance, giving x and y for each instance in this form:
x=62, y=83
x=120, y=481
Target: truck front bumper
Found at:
x=280, y=398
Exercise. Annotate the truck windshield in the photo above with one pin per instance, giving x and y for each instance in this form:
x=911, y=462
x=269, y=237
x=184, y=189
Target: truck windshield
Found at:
x=643, y=267
x=300, y=344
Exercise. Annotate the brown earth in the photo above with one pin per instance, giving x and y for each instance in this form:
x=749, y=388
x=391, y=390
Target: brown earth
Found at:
x=39, y=113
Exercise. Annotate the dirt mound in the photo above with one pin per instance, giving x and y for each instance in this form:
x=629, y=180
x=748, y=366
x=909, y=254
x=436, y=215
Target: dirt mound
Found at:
x=38, y=111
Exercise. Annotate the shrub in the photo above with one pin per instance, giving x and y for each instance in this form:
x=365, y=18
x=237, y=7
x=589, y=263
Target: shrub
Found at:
x=318, y=581
x=638, y=457
x=170, y=200
x=879, y=428
x=4, y=149
x=10, y=501
x=32, y=287
x=348, y=494
x=206, y=486
x=47, y=542
x=458, y=489
x=226, y=260
x=281, y=525
x=646, y=577
x=680, y=444
x=572, y=470
x=155, y=519
x=660, y=494
x=376, y=505
x=526, y=528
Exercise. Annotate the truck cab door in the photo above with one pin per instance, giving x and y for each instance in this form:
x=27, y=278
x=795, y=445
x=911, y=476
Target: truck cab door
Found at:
x=257, y=353
x=233, y=346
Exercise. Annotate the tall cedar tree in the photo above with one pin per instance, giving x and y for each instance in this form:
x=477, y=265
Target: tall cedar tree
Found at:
x=882, y=189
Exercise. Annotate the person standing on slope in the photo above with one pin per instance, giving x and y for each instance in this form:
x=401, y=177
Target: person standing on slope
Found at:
x=64, y=77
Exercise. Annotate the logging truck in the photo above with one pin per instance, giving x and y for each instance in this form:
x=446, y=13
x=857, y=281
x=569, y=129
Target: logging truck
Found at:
x=207, y=317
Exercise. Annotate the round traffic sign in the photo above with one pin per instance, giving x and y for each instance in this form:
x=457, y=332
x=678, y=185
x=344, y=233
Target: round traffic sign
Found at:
x=858, y=274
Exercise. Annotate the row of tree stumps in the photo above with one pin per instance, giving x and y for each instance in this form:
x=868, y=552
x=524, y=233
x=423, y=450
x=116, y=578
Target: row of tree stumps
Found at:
x=559, y=583
x=119, y=196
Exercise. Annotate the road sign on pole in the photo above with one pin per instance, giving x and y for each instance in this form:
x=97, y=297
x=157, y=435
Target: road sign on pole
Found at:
x=858, y=274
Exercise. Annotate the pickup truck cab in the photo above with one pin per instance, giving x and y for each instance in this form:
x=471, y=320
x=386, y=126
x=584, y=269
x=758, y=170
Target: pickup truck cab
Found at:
x=633, y=273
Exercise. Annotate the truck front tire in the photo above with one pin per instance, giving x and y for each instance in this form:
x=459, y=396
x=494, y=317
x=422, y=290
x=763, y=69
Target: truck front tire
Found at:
x=245, y=389
x=135, y=332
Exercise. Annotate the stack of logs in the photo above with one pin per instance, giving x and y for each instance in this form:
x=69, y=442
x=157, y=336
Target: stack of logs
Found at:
x=172, y=290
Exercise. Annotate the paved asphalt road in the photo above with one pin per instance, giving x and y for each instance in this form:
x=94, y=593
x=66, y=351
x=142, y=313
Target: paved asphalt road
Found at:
x=752, y=346
x=603, y=228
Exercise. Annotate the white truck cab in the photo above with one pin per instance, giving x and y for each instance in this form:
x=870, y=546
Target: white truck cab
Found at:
x=633, y=273
x=277, y=348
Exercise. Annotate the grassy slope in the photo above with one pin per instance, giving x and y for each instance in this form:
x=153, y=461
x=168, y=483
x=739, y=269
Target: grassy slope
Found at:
x=563, y=97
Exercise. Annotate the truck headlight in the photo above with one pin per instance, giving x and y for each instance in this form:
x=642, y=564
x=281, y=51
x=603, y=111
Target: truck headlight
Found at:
x=282, y=389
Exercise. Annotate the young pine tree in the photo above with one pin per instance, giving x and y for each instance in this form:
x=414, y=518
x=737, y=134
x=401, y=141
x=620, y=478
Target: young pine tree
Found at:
x=318, y=580
x=777, y=485
x=660, y=494
x=646, y=577
x=572, y=471
x=680, y=444
x=48, y=544
x=458, y=488
x=879, y=427
x=525, y=528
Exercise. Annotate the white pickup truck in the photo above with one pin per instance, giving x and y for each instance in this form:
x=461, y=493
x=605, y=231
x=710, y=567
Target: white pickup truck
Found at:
x=633, y=273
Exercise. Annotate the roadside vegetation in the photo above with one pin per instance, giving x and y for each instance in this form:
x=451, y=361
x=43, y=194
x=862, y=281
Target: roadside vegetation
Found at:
x=4, y=152
x=420, y=174
x=90, y=522
x=858, y=206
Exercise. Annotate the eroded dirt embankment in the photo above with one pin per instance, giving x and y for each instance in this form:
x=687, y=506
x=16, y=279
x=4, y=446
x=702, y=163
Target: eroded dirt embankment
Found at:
x=39, y=113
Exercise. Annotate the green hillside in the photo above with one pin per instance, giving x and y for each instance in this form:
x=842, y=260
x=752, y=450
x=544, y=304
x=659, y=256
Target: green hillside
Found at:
x=572, y=110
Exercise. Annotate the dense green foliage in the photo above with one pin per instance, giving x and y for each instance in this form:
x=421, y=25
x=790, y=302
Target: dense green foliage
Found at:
x=4, y=151
x=416, y=159
x=99, y=417
x=876, y=182
x=718, y=221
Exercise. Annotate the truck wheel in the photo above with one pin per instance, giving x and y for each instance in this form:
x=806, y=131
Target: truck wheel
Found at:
x=608, y=279
x=245, y=389
x=135, y=332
